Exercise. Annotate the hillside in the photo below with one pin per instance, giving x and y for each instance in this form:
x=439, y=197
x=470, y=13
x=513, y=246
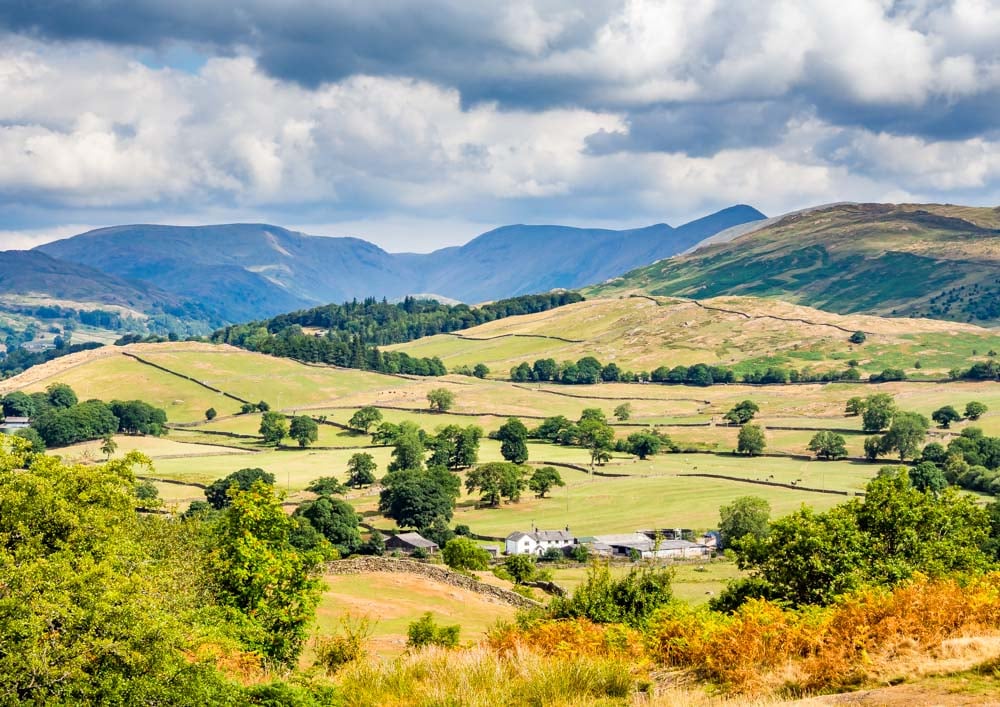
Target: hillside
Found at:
x=30, y=275
x=255, y=270
x=641, y=333
x=914, y=260
x=46, y=295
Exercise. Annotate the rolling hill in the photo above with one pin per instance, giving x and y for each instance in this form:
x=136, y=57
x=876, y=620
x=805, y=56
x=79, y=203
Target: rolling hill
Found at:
x=250, y=271
x=914, y=260
x=746, y=333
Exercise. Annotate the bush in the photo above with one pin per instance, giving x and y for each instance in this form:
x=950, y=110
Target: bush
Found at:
x=630, y=600
x=334, y=652
x=425, y=632
x=464, y=555
x=553, y=554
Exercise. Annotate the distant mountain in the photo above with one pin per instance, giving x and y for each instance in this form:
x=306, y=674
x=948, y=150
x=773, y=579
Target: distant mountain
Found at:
x=246, y=271
x=931, y=260
x=35, y=275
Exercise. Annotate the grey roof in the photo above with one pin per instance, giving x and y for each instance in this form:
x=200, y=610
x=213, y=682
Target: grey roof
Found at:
x=554, y=535
x=543, y=536
x=415, y=539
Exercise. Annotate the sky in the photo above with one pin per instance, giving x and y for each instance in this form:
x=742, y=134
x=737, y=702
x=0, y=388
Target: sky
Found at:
x=421, y=124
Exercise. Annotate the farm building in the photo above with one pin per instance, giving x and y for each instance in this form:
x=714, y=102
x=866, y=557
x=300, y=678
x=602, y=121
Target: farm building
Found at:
x=410, y=542
x=538, y=541
x=12, y=424
x=627, y=543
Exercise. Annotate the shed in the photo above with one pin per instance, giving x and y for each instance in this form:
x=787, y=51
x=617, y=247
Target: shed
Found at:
x=409, y=542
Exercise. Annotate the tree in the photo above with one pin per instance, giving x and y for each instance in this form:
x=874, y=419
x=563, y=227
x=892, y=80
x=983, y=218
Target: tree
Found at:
x=945, y=415
x=416, y=498
x=336, y=520
x=326, y=486
x=806, y=557
x=211, y=414
x=18, y=404
x=543, y=479
x=623, y=412
x=273, y=427
x=303, y=430
x=873, y=448
x=480, y=370
x=259, y=573
x=643, y=444
x=545, y=369
x=364, y=418
x=361, y=469
x=597, y=437
x=512, y=435
x=742, y=412
x=31, y=436
x=973, y=409
x=464, y=555
x=455, y=447
x=751, y=440
x=858, y=337
x=99, y=604
x=407, y=453
x=906, y=434
x=828, y=445
x=263, y=406
x=497, y=480
x=521, y=568
x=927, y=476
x=747, y=515
x=855, y=406
x=217, y=493
x=61, y=395
x=108, y=446
x=878, y=412
x=441, y=399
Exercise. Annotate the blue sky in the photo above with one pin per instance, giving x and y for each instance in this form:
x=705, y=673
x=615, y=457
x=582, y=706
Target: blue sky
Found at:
x=418, y=125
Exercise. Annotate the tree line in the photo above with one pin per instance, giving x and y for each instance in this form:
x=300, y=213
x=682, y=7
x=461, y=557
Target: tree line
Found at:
x=355, y=330
x=589, y=370
x=59, y=418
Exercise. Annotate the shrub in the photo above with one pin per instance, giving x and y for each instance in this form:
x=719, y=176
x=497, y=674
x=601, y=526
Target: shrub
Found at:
x=425, y=632
x=347, y=645
x=463, y=554
x=630, y=600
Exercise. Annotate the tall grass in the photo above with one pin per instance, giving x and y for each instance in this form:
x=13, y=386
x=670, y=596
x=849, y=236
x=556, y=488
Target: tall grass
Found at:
x=865, y=636
x=482, y=677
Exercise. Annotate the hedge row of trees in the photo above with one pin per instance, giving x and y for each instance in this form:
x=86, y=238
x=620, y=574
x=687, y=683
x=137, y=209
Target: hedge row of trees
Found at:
x=589, y=370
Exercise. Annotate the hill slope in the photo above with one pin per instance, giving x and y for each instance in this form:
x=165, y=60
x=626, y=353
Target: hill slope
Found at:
x=31, y=279
x=746, y=333
x=255, y=270
x=913, y=260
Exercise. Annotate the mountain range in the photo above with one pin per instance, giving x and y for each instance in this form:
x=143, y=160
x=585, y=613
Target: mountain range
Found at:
x=245, y=271
x=919, y=260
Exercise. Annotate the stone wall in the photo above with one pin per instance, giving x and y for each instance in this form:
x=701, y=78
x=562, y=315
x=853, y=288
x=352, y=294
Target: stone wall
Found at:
x=367, y=564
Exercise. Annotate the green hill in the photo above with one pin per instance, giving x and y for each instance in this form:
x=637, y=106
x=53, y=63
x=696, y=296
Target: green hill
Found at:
x=914, y=260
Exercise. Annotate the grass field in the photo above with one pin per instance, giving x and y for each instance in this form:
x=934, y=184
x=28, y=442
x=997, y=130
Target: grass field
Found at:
x=394, y=600
x=653, y=492
x=742, y=332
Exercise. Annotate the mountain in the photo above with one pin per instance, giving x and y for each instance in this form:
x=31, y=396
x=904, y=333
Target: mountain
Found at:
x=918, y=260
x=246, y=271
x=35, y=276
x=549, y=257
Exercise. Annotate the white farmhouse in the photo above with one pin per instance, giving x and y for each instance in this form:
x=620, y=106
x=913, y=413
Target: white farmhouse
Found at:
x=538, y=541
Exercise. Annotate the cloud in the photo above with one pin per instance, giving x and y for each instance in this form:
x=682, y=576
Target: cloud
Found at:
x=336, y=112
